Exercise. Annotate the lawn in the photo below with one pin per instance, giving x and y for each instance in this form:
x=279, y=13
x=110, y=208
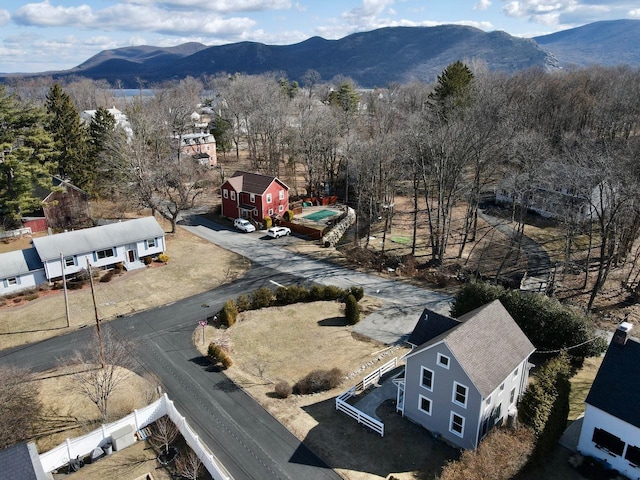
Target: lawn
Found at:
x=580, y=384
x=286, y=343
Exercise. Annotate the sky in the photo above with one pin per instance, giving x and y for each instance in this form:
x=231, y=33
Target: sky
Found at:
x=61, y=34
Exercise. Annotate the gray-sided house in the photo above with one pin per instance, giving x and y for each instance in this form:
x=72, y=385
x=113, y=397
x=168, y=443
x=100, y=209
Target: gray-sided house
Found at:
x=22, y=462
x=464, y=375
x=20, y=270
x=122, y=242
x=611, y=423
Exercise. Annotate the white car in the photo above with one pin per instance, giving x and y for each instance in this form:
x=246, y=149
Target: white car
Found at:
x=276, y=232
x=244, y=225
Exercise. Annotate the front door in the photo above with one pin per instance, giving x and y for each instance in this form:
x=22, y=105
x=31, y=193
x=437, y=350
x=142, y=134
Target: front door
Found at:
x=132, y=256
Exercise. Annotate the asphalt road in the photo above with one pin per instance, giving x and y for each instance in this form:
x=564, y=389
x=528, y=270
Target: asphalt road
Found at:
x=248, y=441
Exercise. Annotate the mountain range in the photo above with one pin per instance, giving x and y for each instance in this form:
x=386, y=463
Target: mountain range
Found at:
x=374, y=58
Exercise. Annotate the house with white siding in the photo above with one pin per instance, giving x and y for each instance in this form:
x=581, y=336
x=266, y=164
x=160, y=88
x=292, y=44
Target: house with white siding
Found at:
x=20, y=270
x=611, y=424
x=124, y=242
x=464, y=375
x=127, y=242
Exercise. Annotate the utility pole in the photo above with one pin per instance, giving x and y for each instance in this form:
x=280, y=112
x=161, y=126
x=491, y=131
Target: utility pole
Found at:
x=64, y=289
x=95, y=308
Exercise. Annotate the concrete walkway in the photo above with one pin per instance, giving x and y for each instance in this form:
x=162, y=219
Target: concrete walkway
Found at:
x=382, y=391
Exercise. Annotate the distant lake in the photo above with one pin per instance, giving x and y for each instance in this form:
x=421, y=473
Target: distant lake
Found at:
x=131, y=92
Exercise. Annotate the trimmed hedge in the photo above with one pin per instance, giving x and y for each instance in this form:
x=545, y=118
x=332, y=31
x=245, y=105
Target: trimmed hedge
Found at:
x=261, y=298
x=545, y=405
x=351, y=310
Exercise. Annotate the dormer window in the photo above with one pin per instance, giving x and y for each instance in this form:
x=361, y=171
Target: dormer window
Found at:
x=443, y=361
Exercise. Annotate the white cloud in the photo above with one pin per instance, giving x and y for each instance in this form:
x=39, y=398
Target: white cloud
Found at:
x=46, y=15
x=219, y=6
x=482, y=5
x=567, y=13
x=4, y=17
x=634, y=13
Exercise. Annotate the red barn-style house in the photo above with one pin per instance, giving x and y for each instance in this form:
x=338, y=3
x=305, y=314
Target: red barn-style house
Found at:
x=253, y=196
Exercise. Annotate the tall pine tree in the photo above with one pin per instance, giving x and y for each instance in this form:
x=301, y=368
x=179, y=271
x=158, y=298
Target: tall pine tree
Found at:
x=71, y=139
x=26, y=158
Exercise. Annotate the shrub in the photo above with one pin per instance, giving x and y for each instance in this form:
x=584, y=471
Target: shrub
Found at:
x=163, y=257
x=17, y=300
x=119, y=268
x=217, y=355
x=351, y=310
x=107, y=276
x=545, y=404
x=31, y=296
x=283, y=389
x=331, y=292
x=288, y=215
x=292, y=294
x=315, y=293
x=318, y=381
x=147, y=260
x=261, y=298
x=500, y=456
x=357, y=292
x=267, y=222
x=243, y=303
x=547, y=323
x=228, y=314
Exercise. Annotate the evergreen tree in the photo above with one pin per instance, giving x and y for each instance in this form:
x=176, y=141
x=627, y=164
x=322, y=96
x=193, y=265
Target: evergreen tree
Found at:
x=345, y=97
x=452, y=88
x=71, y=139
x=26, y=150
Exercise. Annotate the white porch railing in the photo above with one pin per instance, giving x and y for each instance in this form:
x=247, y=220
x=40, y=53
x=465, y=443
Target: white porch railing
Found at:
x=361, y=417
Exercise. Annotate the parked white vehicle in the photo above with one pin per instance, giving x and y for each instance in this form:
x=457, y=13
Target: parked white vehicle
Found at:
x=244, y=225
x=276, y=232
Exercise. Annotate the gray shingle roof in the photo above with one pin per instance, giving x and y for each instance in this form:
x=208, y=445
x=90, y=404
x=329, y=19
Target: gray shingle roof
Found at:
x=430, y=325
x=616, y=388
x=16, y=463
x=487, y=343
x=97, y=238
x=19, y=262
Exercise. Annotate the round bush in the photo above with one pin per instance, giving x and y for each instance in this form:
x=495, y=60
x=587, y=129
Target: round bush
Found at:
x=283, y=389
x=318, y=381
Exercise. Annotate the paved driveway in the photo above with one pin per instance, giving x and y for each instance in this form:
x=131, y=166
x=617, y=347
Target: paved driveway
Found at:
x=403, y=303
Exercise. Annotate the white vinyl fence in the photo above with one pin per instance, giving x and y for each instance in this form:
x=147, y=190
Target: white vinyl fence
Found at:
x=361, y=417
x=82, y=446
x=16, y=233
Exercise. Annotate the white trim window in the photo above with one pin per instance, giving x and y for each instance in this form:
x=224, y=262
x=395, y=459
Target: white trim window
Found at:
x=443, y=361
x=269, y=198
x=456, y=424
x=270, y=211
x=106, y=253
x=255, y=212
x=280, y=208
x=424, y=404
x=70, y=261
x=225, y=193
x=516, y=372
x=459, y=395
x=151, y=243
x=281, y=194
x=252, y=198
x=11, y=281
x=501, y=388
x=426, y=378
x=512, y=396
x=233, y=195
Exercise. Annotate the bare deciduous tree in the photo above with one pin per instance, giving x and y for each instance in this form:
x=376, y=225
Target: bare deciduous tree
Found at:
x=98, y=384
x=163, y=434
x=188, y=465
x=20, y=408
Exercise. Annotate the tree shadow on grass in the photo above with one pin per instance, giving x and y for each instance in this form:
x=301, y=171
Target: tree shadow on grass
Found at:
x=333, y=322
x=406, y=447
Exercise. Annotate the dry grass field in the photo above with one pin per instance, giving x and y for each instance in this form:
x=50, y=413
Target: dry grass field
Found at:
x=286, y=343
x=194, y=266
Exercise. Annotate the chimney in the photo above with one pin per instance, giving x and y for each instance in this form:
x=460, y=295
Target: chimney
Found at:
x=621, y=334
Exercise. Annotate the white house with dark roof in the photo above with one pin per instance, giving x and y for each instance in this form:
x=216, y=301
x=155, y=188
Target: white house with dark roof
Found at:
x=464, y=375
x=20, y=270
x=611, y=424
x=122, y=242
